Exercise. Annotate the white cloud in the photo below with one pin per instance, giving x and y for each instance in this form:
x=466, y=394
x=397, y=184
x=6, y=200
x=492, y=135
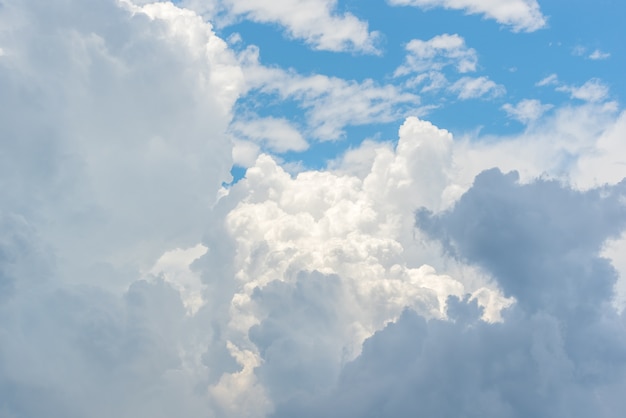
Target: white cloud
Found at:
x=563, y=145
x=118, y=145
x=325, y=258
x=437, y=53
x=521, y=15
x=605, y=161
x=429, y=58
x=599, y=55
x=245, y=153
x=527, y=110
x=341, y=244
x=330, y=103
x=544, y=359
x=113, y=148
x=476, y=87
x=317, y=22
x=277, y=135
x=127, y=113
x=593, y=90
x=431, y=81
x=550, y=80
x=595, y=55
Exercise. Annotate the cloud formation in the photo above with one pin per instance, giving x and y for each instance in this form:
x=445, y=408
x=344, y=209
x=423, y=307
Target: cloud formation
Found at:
x=134, y=102
x=437, y=53
x=527, y=110
x=560, y=351
x=313, y=294
x=330, y=103
x=316, y=22
x=105, y=119
x=276, y=134
x=476, y=87
x=521, y=15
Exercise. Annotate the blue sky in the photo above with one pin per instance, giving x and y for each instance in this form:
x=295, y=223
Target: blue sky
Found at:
x=307, y=208
x=577, y=43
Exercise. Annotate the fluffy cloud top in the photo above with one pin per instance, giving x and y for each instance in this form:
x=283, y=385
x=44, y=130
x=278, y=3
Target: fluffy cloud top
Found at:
x=560, y=351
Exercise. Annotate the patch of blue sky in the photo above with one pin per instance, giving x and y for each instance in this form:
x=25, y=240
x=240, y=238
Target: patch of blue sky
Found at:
x=583, y=41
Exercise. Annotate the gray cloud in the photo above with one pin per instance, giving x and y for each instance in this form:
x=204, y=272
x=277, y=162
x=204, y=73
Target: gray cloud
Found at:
x=540, y=240
x=108, y=109
x=105, y=116
x=561, y=349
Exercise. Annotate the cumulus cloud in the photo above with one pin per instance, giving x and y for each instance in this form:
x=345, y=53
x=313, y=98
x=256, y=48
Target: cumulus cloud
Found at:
x=527, y=110
x=108, y=110
x=437, y=53
x=560, y=351
x=324, y=259
x=311, y=294
x=124, y=112
x=521, y=15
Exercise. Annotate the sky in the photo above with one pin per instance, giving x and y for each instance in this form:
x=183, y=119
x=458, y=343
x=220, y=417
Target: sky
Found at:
x=236, y=208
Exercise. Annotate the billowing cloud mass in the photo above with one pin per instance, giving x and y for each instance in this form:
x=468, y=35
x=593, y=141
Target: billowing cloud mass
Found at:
x=105, y=118
x=561, y=349
x=423, y=273
x=107, y=122
x=521, y=15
